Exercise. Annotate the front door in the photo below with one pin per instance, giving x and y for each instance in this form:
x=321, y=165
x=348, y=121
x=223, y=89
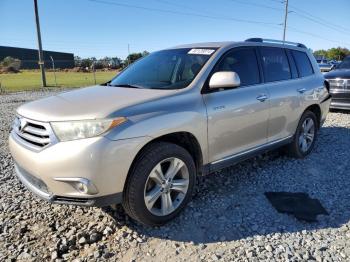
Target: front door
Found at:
x=237, y=117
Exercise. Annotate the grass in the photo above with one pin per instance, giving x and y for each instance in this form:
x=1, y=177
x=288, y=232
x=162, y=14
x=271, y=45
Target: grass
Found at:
x=31, y=79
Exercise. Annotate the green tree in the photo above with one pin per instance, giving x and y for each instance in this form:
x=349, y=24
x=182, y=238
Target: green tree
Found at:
x=145, y=53
x=322, y=53
x=11, y=62
x=338, y=53
x=77, y=61
x=135, y=56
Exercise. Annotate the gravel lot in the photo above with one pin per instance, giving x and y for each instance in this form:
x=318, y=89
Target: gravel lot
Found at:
x=228, y=219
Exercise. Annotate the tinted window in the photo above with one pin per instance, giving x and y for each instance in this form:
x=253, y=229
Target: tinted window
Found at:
x=303, y=63
x=292, y=65
x=275, y=64
x=244, y=63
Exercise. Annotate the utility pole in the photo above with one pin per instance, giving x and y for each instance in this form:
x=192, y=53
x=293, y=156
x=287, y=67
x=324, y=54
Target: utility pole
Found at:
x=40, y=48
x=285, y=21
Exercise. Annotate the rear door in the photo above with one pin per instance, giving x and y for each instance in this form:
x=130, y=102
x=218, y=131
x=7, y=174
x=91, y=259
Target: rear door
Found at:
x=237, y=119
x=280, y=75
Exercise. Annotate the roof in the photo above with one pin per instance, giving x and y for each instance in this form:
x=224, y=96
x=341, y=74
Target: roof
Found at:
x=248, y=42
x=206, y=44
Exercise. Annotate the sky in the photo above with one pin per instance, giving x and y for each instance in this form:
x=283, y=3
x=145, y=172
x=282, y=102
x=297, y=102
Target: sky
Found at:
x=106, y=27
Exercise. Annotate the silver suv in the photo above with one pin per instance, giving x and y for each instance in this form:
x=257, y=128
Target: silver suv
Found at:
x=142, y=138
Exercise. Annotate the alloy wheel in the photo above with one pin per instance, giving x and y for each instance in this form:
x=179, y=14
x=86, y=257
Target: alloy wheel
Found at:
x=166, y=186
x=307, y=134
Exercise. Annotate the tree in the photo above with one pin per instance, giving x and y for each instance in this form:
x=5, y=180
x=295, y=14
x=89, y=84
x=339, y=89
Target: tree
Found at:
x=87, y=62
x=145, y=53
x=10, y=62
x=321, y=53
x=338, y=53
x=77, y=61
x=135, y=56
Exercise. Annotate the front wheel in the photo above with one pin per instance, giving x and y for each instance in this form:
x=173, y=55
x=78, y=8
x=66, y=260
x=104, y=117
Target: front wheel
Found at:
x=160, y=184
x=305, y=136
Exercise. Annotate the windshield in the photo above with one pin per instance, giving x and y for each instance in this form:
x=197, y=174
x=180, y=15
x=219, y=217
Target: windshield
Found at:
x=167, y=69
x=345, y=64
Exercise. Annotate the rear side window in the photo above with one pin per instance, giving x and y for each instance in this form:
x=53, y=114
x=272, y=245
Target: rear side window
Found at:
x=275, y=64
x=303, y=63
x=243, y=61
x=292, y=65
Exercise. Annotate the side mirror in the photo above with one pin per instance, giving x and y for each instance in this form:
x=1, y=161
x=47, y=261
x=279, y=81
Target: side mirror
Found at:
x=224, y=79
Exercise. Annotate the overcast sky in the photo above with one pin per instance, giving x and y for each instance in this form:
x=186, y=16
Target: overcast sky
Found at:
x=106, y=27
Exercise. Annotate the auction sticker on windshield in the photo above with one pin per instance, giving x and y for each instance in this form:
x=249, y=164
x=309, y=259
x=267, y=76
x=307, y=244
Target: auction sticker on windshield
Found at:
x=201, y=51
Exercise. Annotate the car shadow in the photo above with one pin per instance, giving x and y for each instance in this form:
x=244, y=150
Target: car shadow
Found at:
x=230, y=204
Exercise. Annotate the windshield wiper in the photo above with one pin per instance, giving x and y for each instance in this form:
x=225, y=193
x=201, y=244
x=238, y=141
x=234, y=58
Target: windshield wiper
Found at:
x=127, y=86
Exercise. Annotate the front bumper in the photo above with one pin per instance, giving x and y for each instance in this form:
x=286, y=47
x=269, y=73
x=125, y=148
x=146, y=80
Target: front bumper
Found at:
x=103, y=162
x=340, y=100
x=38, y=188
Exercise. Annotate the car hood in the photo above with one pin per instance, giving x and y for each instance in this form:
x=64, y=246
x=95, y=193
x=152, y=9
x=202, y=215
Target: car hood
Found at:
x=338, y=73
x=87, y=103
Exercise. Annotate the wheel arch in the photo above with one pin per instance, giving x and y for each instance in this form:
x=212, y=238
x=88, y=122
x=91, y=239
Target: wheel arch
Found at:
x=316, y=109
x=184, y=139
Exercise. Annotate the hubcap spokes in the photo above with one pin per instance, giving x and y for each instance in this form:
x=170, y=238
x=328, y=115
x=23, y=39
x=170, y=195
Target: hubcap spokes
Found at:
x=307, y=134
x=166, y=186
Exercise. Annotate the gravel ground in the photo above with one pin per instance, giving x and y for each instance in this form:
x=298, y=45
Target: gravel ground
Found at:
x=228, y=219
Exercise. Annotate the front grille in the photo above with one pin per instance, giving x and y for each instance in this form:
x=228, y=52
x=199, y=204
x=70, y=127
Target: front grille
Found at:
x=72, y=200
x=36, y=135
x=339, y=85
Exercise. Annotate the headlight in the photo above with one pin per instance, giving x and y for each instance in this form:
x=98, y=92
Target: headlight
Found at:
x=72, y=130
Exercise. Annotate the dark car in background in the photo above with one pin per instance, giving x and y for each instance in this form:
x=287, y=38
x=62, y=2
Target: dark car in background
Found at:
x=339, y=83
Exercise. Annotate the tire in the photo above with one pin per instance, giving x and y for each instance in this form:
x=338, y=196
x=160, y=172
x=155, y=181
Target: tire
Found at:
x=297, y=148
x=156, y=178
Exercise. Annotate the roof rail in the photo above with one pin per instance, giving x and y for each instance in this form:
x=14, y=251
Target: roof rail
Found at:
x=262, y=40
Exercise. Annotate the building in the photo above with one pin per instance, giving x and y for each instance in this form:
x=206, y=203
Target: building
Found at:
x=29, y=57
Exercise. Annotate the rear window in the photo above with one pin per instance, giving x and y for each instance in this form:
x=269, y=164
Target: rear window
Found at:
x=303, y=63
x=275, y=64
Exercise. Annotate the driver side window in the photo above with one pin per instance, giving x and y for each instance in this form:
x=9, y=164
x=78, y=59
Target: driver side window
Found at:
x=244, y=62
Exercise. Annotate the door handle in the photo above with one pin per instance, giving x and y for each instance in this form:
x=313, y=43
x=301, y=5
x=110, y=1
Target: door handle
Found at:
x=261, y=98
x=301, y=90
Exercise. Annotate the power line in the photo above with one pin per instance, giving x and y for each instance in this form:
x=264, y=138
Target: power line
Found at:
x=276, y=9
x=297, y=12
x=315, y=35
x=255, y=4
x=311, y=17
x=318, y=22
x=183, y=13
x=320, y=19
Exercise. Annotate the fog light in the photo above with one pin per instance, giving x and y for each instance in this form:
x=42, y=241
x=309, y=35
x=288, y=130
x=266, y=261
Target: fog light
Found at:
x=82, y=188
x=83, y=185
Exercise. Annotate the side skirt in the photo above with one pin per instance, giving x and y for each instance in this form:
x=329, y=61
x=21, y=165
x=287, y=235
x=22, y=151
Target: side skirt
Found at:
x=239, y=157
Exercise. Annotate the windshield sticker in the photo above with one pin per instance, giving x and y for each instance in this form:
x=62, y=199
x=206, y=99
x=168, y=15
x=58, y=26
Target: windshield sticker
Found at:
x=201, y=51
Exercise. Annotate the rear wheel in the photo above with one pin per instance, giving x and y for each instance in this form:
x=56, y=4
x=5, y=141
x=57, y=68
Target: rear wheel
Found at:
x=305, y=136
x=160, y=184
